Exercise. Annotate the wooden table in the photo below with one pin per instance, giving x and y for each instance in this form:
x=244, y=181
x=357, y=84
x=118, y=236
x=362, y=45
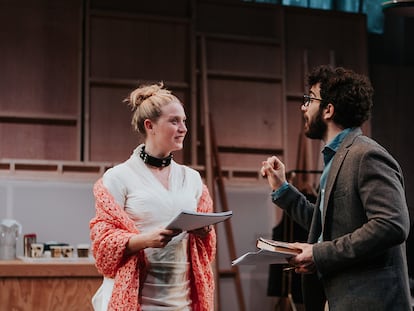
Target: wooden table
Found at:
x=52, y=284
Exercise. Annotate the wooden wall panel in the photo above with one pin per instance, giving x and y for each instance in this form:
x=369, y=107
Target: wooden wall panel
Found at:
x=40, y=78
x=38, y=141
x=132, y=48
x=176, y=8
x=244, y=71
x=40, y=44
x=112, y=137
x=295, y=79
x=343, y=33
x=393, y=94
x=239, y=18
x=246, y=114
x=222, y=56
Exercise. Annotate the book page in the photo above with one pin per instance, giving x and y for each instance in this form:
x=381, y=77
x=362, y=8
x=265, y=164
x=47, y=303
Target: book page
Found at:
x=276, y=246
x=261, y=257
x=189, y=220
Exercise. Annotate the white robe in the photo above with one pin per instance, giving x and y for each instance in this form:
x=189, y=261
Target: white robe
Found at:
x=150, y=205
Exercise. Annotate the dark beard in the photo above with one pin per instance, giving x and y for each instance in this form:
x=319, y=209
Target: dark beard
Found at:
x=317, y=128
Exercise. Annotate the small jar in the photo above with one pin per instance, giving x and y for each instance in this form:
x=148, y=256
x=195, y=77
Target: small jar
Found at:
x=28, y=239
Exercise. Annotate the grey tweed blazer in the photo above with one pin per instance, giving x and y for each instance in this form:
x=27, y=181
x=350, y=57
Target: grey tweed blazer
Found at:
x=361, y=262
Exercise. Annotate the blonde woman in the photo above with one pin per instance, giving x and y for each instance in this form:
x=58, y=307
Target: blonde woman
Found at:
x=145, y=266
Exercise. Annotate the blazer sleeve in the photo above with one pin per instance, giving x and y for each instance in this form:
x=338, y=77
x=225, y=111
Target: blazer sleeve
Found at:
x=296, y=206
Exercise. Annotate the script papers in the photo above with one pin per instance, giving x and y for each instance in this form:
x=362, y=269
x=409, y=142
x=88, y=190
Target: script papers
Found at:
x=188, y=220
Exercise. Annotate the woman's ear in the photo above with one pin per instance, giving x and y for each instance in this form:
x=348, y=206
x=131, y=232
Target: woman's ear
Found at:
x=148, y=125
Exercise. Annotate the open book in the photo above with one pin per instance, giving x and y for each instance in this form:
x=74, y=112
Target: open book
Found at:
x=270, y=252
x=277, y=246
x=189, y=220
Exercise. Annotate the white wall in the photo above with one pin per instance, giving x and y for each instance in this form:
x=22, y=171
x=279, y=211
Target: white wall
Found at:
x=254, y=215
x=54, y=210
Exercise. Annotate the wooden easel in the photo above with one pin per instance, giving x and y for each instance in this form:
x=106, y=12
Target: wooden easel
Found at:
x=214, y=176
x=234, y=271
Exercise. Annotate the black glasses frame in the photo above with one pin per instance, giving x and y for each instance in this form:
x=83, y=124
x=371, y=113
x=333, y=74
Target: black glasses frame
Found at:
x=307, y=100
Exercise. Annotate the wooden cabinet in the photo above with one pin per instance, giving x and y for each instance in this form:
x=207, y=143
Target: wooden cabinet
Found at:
x=48, y=285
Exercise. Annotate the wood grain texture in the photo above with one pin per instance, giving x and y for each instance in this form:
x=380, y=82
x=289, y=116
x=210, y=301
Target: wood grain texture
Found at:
x=57, y=286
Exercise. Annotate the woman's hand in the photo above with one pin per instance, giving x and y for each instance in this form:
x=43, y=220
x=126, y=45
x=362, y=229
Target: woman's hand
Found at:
x=156, y=239
x=161, y=237
x=201, y=232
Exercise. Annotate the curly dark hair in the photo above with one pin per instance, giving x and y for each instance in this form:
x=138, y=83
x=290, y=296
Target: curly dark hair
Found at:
x=350, y=93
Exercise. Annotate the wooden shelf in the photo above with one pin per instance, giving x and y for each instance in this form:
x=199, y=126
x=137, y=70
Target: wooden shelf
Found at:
x=99, y=81
x=48, y=268
x=39, y=169
x=145, y=17
x=242, y=39
x=250, y=76
x=250, y=150
x=38, y=118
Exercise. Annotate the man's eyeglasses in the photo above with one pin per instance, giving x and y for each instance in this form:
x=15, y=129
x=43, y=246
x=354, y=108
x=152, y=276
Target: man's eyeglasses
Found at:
x=307, y=100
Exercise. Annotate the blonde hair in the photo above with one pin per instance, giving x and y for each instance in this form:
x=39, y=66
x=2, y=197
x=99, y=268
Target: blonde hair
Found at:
x=146, y=102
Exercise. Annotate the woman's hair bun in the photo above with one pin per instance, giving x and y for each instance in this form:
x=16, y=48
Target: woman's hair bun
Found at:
x=142, y=93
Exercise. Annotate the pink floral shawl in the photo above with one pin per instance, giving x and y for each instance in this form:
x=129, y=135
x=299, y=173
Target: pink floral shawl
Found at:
x=110, y=231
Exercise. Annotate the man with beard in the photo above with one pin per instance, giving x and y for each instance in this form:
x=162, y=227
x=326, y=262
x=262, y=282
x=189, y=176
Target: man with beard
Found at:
x=355, y=256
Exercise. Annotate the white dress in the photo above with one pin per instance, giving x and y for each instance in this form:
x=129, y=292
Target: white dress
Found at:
x=150, y=205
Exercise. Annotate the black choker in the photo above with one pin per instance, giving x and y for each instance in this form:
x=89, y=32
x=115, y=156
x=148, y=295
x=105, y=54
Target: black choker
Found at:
x=153, y=161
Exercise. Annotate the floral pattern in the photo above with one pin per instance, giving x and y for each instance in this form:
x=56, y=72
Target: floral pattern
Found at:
x=111, y=228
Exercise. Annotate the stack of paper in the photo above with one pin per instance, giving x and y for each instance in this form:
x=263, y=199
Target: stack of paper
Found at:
x=189, y=220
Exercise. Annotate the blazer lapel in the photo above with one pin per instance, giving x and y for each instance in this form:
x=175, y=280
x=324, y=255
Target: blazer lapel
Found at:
x=335, y=167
